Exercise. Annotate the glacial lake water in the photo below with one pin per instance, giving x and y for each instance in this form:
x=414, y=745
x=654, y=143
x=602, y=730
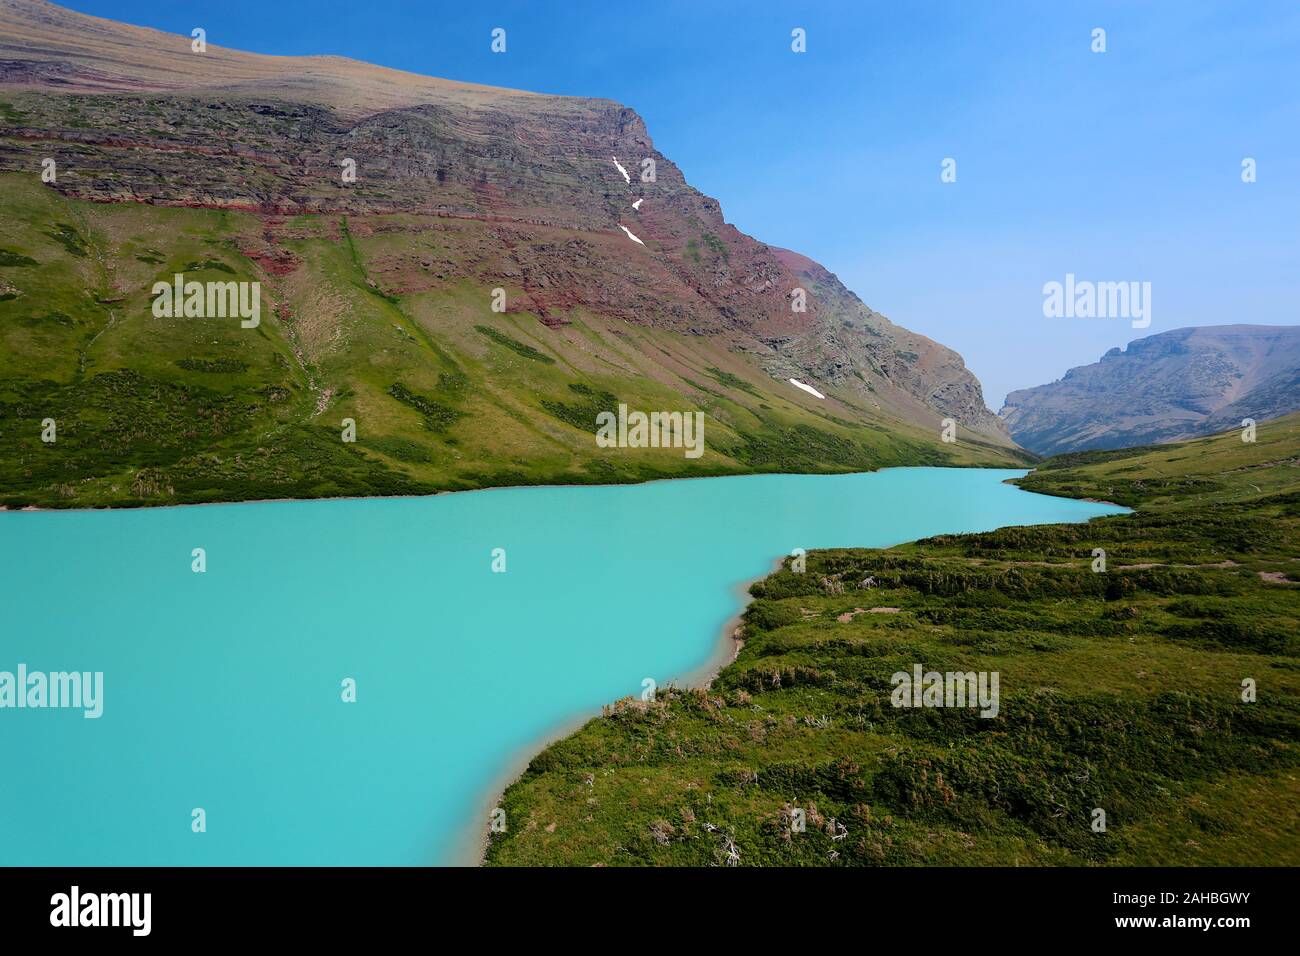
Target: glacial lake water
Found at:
x=222, y=690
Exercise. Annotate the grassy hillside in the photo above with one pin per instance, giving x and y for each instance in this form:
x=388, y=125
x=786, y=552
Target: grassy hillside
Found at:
x=1120, y=690
x=445, y=393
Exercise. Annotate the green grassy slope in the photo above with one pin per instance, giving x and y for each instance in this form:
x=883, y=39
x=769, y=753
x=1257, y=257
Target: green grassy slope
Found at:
x=446, y=393
x=1120, y=690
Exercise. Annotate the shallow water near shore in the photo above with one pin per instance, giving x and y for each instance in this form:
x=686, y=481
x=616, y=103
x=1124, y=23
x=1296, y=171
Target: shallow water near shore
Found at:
x=222, y=690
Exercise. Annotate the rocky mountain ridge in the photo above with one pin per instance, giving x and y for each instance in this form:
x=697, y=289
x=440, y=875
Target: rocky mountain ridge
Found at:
x=224, y=129
x=1167, y=387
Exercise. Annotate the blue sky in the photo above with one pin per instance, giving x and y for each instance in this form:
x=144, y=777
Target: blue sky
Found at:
x=1119, y=166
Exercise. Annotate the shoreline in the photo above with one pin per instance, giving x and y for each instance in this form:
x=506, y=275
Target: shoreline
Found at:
x=439, y=494
x=36, y=509
x=471, y=848
x=1095, y=501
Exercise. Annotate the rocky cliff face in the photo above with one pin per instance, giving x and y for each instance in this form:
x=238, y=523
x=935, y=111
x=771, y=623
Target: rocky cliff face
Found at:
x=225, y=129
x=1167, y=387
x=899, y=367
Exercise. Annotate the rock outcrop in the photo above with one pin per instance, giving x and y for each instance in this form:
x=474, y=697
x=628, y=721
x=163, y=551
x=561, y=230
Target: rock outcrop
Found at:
x=1167, y=387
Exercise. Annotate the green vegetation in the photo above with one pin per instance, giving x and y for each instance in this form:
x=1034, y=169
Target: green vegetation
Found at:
x=1120, y=690
x=437, y=416
x=582, y=414
x=400, y=449
x=153, y=411
x=794, y=449
x=10, y=258
x=207, y=265
x=226, y=365
x=729, y=380
x=10, y=114
x=68, y=237
x=527, y=351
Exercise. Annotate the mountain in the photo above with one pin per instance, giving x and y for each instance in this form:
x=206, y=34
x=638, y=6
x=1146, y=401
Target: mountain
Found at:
x=379, y=292
x=1167, y=387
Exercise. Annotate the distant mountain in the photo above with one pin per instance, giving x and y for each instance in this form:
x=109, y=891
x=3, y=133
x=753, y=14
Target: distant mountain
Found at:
x=496, y=270
x=1171, y=386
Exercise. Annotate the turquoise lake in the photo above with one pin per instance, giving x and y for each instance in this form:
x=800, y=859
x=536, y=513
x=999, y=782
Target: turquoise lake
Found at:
x=222, y=690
